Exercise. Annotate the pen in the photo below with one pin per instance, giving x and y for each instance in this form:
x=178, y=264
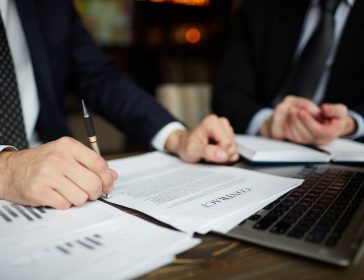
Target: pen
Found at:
x=91, y=132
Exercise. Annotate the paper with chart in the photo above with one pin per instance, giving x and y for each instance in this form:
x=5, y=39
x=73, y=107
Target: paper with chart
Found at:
x=95, y=241
x=193, y=197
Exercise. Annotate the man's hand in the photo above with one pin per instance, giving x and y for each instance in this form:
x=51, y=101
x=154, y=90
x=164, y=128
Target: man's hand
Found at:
x=57, y=174
x=299, y=120
x=301, y=127
x=274, y=127
x=213, y=140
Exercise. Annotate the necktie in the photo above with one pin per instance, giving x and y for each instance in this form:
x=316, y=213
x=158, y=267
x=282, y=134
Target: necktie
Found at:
x=305, y=74
x=12, y=130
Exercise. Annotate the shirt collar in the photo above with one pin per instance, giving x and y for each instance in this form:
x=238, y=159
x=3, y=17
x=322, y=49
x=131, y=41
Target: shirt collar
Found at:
x=348, y=2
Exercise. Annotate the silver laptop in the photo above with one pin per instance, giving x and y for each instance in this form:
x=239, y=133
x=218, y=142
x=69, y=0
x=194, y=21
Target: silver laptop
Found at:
x=322, y=219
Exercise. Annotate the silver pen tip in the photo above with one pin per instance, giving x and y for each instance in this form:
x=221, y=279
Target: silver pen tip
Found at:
x=85, y=113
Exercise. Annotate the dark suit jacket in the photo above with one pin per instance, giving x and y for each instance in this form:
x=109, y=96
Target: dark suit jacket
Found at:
x=263, y=40
x=64, y=58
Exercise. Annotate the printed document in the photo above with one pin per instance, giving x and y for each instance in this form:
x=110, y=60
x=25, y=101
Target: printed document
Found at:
x=193, y=197
x=94, y=241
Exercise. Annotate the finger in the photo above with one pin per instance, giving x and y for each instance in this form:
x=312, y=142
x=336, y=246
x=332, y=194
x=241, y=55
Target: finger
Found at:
x=310, y=123
x=228, y=128
x=233, y=153
x=216, y=131
x=302, y=103
x=91, y=161
x=115, y=175
x=294, y=135
x=321, y=133
x=233, y=149
x=300, y=132
x=334, y=110
x=87, y=181
x=278, y=121
x=53, y=199
x=234, y=157
x=214, y=153
x=288, y=132
x=70, y=191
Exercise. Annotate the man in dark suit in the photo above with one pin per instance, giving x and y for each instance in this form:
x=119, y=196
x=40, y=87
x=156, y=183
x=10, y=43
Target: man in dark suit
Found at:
x=45, y=52
x=267, y=43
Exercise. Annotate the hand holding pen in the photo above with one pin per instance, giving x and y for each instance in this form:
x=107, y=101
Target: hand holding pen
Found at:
x=91, y=134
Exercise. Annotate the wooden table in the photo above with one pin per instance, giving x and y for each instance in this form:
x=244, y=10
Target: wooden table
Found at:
x=219, y=257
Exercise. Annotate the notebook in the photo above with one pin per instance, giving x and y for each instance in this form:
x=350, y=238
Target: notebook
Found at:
x=321, y=219
x=265, y=150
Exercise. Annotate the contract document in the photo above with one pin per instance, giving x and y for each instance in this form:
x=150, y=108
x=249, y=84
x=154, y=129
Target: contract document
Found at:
x=94, y=241
x=193, y=197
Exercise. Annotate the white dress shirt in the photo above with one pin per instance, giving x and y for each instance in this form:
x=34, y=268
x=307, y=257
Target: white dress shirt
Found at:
x=311, y=21
x=26, y=81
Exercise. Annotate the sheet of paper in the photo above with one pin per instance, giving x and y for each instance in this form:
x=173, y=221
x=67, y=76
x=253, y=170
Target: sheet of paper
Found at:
x=346, y=150
x=261, y=149
x=95, y=241
x=231, y=222
x=191, y=197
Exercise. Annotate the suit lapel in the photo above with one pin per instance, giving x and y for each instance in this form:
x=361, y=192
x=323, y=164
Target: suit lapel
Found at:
x=51, y=123
x=284, y=32
x=36, y=46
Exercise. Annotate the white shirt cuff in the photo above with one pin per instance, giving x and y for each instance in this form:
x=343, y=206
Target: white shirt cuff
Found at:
x=160, y=139
x=7, y=148
x=258, y=119
x=360, y=125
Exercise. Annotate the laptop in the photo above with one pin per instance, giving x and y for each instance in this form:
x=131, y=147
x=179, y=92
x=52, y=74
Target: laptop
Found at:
x=322, y=219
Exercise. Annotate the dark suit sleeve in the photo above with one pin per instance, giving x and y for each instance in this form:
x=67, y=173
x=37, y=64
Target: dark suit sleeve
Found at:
x=235, y=93
x=109, y=92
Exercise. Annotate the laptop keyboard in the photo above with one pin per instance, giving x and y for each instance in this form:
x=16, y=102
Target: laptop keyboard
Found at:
x=319, y=210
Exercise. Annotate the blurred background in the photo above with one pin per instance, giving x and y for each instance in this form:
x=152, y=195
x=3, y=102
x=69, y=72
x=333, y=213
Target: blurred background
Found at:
x=172, y=48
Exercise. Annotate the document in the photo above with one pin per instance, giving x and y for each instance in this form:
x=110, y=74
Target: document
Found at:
x=193, y=197
x=94, y=241
x=261, y=149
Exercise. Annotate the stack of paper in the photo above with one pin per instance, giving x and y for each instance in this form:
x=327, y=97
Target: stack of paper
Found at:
x=261, y=149
x=95, y=241
x=194, y=197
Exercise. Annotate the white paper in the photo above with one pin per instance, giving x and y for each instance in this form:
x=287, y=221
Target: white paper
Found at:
x=95, y=241
x=231, y=222
x=191, y=197
x=345, y=150
x=261, y=149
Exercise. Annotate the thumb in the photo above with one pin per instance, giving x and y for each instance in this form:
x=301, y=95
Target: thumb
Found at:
x=334, y=110
x=214, y=153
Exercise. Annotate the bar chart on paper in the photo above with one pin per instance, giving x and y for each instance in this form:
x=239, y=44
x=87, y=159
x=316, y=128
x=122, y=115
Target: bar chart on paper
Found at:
x=18, y=220
x=80, y=242
x=13, y=212
x=90, y=243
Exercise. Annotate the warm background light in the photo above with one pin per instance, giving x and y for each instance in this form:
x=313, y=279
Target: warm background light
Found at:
x=188, y=34
x=182, y=2
x=193, y=35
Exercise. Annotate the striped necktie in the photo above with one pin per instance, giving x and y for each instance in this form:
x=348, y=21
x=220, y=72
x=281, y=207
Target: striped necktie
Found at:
x=307, y=71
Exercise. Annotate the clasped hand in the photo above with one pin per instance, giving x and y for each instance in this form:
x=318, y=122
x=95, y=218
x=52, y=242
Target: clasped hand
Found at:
x=301, y=121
